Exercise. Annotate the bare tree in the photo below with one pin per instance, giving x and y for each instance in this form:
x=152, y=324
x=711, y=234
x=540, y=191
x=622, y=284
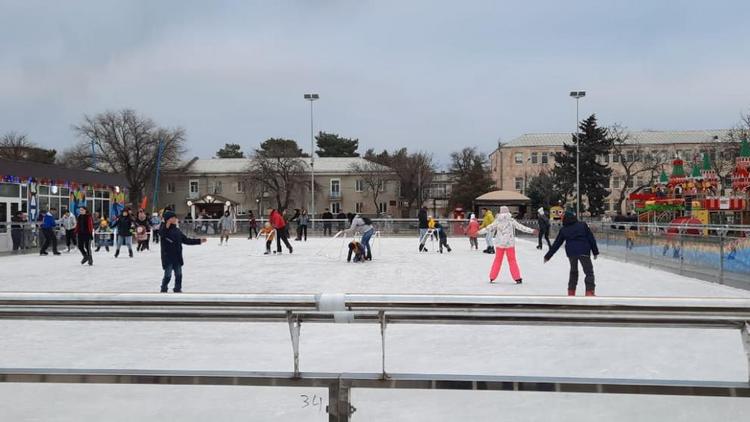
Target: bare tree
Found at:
x=17, y=146
x=278, y=169
x=127, y=143
x=633, y=160
x=414, y=171
x=723, y=151
x=374, y=177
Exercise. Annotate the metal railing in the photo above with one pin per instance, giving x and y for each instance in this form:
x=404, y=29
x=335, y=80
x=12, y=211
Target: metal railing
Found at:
x=383, y=310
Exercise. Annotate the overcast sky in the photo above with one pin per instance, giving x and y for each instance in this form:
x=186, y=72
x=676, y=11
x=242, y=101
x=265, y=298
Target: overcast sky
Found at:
x=429, y=75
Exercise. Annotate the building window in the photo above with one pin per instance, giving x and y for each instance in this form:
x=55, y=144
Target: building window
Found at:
x=193, y=188
x=214, y=186
x=359, y=185
x=170, y=187
x=335, y=188
x=630, y=183
x=519, y=183
x=534, y=158
x=240, y=187
x=382, y=208
x=518, y=157
x=606, y=158
x=335, y=207
x=545, y=159
x=381, y=185
x=630, y=156
x=358, y=207
x=615, y=181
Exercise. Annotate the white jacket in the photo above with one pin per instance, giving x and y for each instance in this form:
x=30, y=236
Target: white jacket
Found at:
x=69, y=222
x=505, y=227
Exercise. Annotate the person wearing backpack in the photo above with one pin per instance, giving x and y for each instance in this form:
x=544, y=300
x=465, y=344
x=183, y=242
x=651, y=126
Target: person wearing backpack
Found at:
x=363, y=225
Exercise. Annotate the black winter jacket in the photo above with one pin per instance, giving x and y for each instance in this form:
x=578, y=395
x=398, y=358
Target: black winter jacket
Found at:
x=422, y=215
x=543, y=222
x=578, y=238
x=123, y=226
x=172, y=239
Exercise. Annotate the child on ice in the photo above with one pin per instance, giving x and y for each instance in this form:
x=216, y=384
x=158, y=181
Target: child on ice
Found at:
x=505, y=227
x=356, y=249
x=442, y=236
x=270, y=234
x=472, y=230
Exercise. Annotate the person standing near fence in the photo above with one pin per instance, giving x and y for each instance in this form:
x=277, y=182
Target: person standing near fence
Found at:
x=504, y=227
x=327, y=225
x=580, y=244
x=544, y=226
x=304, y=220
x=84, y=232
x=68, y=222
x=16, y=231
x=172, y=240
x=48, y=231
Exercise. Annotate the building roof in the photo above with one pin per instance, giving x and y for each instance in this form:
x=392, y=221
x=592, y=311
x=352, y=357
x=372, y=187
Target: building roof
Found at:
x=643, y=137
x=503, y=195
x=240, y=165
x=28, y=169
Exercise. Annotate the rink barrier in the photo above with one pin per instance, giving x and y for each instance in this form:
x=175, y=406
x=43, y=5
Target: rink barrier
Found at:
x=381, y=309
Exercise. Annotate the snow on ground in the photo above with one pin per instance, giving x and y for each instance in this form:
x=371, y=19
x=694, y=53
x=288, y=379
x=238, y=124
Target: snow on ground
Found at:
x=397, y=268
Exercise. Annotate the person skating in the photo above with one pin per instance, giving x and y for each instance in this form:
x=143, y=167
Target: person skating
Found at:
x=68, y=222
x=252, y=224
x=430, y=229
x=442, y=236
x=142, y=228
x=544, y=225
x=504, y=227
x=155, y=222
x=48, y=230
x=363, y=225
x=327, y=225
x=293, y=219
x=304, y=220
x=269, y=233
x=172, y=240
x=472, y=230
x=279, y=224
x=487, y=219
x=226, y=225
x=103, y=235
x=423, y=226
x=580, y=244
x=84, y=232
x=124, y=229
x=16, y=231
x=356, y=251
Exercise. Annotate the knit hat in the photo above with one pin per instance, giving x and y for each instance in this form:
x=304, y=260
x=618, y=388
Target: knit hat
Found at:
x=169, y=214
x=473, y=216
x=569, y=214
x=504, y=210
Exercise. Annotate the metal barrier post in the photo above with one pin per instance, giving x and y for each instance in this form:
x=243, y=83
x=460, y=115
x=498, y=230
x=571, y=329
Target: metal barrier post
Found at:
x=681, y=252
x=650, y=248
x=721, y=257
x=294, y=329
x=339, y=402
x=745, y=331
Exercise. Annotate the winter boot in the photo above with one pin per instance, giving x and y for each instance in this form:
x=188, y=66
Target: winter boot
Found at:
x=571, y=292
x=83, y=261
x=117, y=253
x=539, y=247
x=590, y=293
x=448, y=247
x=519, y=281
x=492, y=249
x=91, y=260
x=130, y=252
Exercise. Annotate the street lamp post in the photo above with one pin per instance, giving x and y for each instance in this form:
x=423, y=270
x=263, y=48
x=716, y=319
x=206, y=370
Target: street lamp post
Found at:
x=578, y=95
x=311, y=98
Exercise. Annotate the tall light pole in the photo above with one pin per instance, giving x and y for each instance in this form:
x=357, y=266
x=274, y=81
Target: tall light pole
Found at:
x=578, y=95
x=311, y=98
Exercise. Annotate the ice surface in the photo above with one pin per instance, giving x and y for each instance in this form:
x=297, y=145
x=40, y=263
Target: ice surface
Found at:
x=397, y=268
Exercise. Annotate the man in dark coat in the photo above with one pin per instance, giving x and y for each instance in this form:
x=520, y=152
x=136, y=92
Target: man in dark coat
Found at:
x=579, y=246
x=171, y=251
x=16, y=231
x=84, y=232
x=543, y=222
x=327, y=217
x=423, y=225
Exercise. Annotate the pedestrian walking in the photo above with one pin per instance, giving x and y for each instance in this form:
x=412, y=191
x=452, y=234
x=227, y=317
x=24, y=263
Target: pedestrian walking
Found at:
x=84, y=233
x=68, y=223
x=504, y=227
x=172, y=261
x=544, y=225
x=580, y=244
x=48, y=231
x=124, y=230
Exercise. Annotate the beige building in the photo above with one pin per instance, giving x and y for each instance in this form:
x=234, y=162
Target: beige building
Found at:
x=517, y=162
x=209, y=184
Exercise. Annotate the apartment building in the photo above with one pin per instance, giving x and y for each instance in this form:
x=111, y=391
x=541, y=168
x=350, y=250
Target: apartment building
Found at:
x=517, y=162
x=210, y=184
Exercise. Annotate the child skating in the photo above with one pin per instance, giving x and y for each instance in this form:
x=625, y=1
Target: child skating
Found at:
x=269, y=233
x=505, y=227
x=472, y=230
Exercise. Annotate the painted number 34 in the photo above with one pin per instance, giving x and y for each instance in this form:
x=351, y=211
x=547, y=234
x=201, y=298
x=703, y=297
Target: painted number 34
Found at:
x=312, y=401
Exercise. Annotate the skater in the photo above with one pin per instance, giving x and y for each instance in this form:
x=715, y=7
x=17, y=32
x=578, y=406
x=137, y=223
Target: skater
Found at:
x=355, y=249
x=16, y=231
x=269, y=233
x=472, y=229
x=252, y=224
x=487, y=219
x=304, y=220
x=103, y=235
x=48, y=230
x=442, y=236
x=124, y=229
x=423, y=223
x=84, y=232
x=504, y=227
x=544, y=225
x=295, y=219
x=226, y=225
x=327, y=217
x=155, y=222
x=363, y=225
x=580, y=244
x=341, y=217
x=68, y=222
x=172, y=240
x=142, y=227
x=279, y=224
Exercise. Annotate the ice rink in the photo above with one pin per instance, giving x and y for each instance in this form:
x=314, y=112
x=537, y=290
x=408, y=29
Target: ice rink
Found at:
x=319, y=266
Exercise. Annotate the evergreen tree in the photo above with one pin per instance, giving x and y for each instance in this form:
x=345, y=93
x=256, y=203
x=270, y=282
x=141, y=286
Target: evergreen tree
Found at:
x=542, y=192
x=471, y=177
x=333, y=145
x=595, y=142
x=230, y=151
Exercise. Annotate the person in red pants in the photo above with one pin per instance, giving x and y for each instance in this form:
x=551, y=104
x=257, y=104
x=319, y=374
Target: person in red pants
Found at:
x=505, y=227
